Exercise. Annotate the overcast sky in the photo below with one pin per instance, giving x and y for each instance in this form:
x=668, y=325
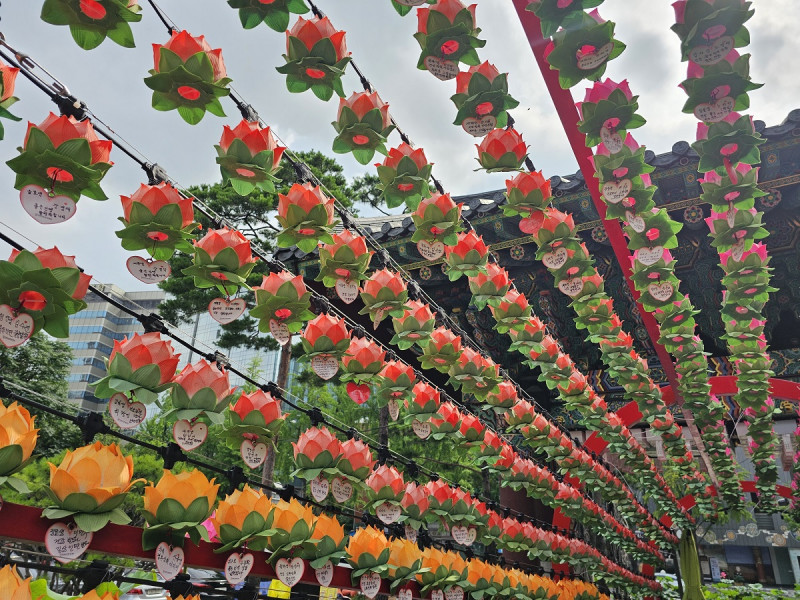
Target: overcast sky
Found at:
x=109, y=80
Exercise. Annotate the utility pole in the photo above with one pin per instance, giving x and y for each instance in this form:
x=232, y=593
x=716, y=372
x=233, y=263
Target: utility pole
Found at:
x=268, y=469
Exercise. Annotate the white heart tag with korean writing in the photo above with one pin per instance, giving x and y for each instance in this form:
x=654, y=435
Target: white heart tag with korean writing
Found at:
x=346, y=290
x=661, y=291
x=65, y=542
x=454, y=592
x=591, y=61
x=226, y=311
x=616, y=191
x=388, y=513
x=238, y=567
x=189, y=436
x=15, y=330
x=125, y=412
x=472, y=535
x=253, y=454
x=325, y=366
x=370, y=584
x=411, y=536
x=444, y=70
x=571, y=287
x=635, y=221
x=479, y=127
x=437, y=595
x=148, y=271
x=430, y=250
x=341, y=489
x=44, y=208
x=394, y=409
x=713, y=53
x=555, y=259
x=611, y=140
x=460, y=534
x=290, y=572
x=169, y=560
x=319, y=488
x=279, y=331
x=324, y=574
x=714, y=112
x=405, y=595
x=649, y=256
x=422, y=429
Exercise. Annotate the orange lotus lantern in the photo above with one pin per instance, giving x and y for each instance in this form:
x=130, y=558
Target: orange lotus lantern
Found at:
x=17, y=440
x=306, y=215
x=331, y=544
x=244, y=517
x=13, y=586
x=293, y=525
x=405, y=561
x=368, y=553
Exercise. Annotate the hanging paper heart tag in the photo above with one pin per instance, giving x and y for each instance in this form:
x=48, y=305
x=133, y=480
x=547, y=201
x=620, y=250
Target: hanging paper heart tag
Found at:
x=555, y=259
x=126, y=413
x=290, y=572
x=169, y=560
x=649, y=256
x=611, y=140
x=405, y=595
x=430, y=250
x=479, y=127
x=388, y=513
x=341, y=489
x=148, y=271
x=460, y=534
x=443, y=70
x=65, y=542
x=319, y=488
x=411, y=534
x=394, y=409
x=324, y=574
x=15, y=330
x=226, y=311
x=737, y=250
x=472, y=535
x=370, y=584
x=377, y=318
x=422, y=429
x=635, y=221
x=714, y=112
x=589, y=62
x=661, y=291
x=437, y=595
x=713, y=53
x=531, y=225
x=238, y=567
x=46, y=209
x=454, y=592
x=279, y=331
x=616, y=191
x=346, y=290
x=358, y=393
x=571, y=287
x=253, y=453
x=189, y=436
x=325, y=366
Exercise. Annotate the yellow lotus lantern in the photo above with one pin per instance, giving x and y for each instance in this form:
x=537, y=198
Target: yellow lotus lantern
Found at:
x=480, y=576
x=458, y=567
x=368, y=552
x=12, y=586
x=176, y=506
x=90, y=485
x=17, y=441
x=405, y=561
x=244, y=517
x=293, y=524
x=436, y=572
x=330, y=546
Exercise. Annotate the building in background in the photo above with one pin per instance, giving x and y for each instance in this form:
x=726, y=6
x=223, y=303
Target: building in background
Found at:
x=92, y=333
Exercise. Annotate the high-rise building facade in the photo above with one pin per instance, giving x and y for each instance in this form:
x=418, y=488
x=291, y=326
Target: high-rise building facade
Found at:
x=92, y=333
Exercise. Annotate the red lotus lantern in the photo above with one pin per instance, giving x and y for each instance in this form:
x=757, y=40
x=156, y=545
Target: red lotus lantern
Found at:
x=468, y=257
x=447, y=35
x=363, y=361
x=248, y=157
x=157, y=218
x=384, y=293
x=489, y=450
x=437, y=220
x=474, y=374
x=255, y=417
x=415, y=505
x=222, y=259
x=504, y=397
x=490, y=286
x=344, y=263
x=385, y=487
x=65, y=156
x=282, y=304
x=201, y=390
x=356, y=461
x=555, y=230
x=316, y=57
x=325, y=341
x=504, y=460
x=404, y=176
x=448, y=422
x=8, y=76
x=502, y=150
x=317, y=452
x=441, y=351
x=306, y=216
x=482, y=99
x=512, y=312
x=396, y=383
x=471, y=428
x=424, y=402
x=528, y=337
x=440, y=495
x=362, y=125
x=527, y=193
x=188, y=76
x=521, y=413
x=414, y=326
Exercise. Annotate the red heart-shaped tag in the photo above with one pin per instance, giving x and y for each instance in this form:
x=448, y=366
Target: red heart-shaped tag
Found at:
x=358, y=393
